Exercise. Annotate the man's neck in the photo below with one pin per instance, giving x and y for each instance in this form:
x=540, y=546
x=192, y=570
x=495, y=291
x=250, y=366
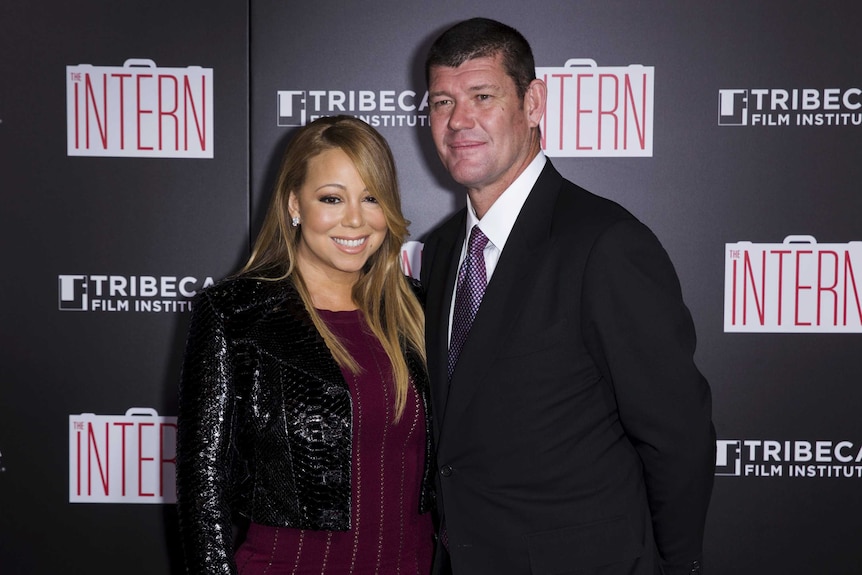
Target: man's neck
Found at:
x=483, y=198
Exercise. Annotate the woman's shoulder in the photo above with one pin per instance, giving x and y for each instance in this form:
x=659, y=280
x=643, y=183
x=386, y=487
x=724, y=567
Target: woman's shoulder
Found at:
x=245, y=295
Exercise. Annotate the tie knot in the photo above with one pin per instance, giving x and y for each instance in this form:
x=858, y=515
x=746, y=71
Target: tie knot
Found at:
x=477, y=242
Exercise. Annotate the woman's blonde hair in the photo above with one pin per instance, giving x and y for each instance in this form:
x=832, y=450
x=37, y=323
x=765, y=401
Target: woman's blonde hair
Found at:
x=382, y=292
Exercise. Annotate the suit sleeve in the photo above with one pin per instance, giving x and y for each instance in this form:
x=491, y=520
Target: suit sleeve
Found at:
x=204, y=444
x=642, y=337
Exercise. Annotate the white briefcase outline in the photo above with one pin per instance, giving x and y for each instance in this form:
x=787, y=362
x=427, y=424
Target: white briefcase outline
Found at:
x=147, y=479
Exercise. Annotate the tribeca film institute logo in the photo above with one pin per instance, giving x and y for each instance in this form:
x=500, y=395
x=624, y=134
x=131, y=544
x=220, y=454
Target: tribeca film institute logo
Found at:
x=380, y=108
x=796, y=459
x=592, y=110
x=115, y=293
x=139, y=110
x=795, y=107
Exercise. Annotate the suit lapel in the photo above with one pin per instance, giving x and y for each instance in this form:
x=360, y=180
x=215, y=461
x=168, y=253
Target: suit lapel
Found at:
x=442, y=256
x=503, y=300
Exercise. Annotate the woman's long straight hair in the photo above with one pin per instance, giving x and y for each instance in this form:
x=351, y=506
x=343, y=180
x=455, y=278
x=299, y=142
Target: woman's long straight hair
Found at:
x=382, y=293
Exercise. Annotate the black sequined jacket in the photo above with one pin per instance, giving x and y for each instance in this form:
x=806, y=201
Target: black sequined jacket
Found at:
x=264, y=427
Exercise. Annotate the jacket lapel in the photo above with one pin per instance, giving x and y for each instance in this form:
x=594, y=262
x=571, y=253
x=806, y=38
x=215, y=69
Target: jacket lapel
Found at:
x=441, y=255
x=503, y=300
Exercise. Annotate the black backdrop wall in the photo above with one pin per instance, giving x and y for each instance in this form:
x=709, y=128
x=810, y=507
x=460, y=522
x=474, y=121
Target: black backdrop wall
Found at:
x=138, y=143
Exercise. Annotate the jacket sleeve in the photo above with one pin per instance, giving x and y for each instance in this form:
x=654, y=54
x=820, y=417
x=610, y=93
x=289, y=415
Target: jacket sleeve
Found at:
x=642, y=337
x=205, y=437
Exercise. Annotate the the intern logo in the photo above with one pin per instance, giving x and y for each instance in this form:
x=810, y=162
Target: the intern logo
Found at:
x=597, y=110
x=733, y=107
x=411, y=258
x=127, y=458
x=139, y=110
x=798, y=286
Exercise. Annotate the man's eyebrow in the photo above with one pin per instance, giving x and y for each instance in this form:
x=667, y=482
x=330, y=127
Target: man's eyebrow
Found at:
x=483, y=87
x=476, y=88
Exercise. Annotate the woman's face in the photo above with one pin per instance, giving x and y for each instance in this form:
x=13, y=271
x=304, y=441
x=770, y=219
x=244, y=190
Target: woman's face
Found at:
x=341, y=223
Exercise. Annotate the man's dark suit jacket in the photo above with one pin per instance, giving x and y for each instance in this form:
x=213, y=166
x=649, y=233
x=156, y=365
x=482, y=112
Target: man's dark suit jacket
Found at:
x=575, y=435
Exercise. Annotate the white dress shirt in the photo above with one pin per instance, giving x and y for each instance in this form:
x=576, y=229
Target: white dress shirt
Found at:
x=498, y=221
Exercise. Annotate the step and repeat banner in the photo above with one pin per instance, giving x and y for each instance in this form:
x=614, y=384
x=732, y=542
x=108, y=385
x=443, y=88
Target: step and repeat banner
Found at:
x=138, y=147
x=124, y=169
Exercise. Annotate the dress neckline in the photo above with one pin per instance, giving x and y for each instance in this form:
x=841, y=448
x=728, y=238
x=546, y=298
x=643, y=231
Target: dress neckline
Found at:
x=344, y=316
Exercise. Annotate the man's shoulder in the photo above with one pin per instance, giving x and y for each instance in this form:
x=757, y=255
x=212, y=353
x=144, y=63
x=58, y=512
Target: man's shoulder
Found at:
x=573, y=203
x=589, y=204
x=447, y=228
x=437, y=240
x=580, y=212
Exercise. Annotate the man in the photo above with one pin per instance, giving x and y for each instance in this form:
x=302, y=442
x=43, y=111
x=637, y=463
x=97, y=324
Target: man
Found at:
x=573, y=429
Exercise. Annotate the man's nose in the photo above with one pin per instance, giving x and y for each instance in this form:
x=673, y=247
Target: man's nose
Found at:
x=461, y=117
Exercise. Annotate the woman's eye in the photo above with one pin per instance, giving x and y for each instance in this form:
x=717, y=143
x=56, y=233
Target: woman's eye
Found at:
x=330, y=199
x=371, y=199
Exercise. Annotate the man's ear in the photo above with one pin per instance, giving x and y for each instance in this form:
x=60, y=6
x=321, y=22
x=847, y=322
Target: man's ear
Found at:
x=535, y=101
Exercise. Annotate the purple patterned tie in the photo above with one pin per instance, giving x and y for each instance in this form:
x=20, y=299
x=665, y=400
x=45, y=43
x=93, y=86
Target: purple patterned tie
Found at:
x=468, y=294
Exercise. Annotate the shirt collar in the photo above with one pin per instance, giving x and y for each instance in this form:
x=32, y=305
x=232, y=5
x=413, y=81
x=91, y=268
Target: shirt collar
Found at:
x=500, y=218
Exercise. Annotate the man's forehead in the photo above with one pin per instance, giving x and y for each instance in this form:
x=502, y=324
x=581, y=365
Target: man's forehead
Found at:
x=487, y=60
x=483, y=66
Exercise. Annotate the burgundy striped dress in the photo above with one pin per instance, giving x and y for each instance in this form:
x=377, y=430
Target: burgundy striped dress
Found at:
x=387, y=535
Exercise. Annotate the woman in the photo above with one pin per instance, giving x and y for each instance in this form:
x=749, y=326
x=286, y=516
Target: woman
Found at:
x=303, y=401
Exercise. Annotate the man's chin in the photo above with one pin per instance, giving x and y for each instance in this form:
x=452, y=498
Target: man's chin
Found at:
x=464, y=175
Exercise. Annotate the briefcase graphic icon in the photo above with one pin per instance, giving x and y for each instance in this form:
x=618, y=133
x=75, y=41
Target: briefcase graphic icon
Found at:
x=597, y=110
x=797, y=286
x=127, y=458
x=139, y=110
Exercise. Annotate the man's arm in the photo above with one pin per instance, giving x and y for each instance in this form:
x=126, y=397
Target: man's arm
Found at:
x=641, y=335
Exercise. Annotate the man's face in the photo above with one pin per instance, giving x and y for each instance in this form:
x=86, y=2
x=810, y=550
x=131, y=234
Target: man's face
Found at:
x=481, y=128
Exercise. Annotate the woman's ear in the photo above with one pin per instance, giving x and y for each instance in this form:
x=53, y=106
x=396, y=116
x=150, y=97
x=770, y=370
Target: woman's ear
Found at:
x=293, y=205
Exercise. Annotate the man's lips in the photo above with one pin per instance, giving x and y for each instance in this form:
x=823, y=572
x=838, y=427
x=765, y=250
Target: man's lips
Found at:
x=465, y=145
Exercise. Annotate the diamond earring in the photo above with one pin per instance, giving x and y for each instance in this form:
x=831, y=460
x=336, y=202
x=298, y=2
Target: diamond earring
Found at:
x=294, y=221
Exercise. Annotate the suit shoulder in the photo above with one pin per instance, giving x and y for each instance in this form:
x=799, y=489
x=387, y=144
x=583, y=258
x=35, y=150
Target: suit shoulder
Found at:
x=590, y=205
x=438, y=239
x=581, y=212
x=447, y=227
x=575, y=208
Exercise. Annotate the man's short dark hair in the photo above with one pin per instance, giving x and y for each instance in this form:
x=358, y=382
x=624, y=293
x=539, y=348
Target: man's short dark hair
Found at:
x=480, y=38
